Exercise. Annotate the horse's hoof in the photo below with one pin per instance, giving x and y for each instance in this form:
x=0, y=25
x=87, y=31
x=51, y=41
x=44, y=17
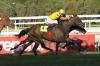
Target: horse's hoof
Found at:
x=35, y=54
x=12, y=49
x=55, y=53
x=20, y=54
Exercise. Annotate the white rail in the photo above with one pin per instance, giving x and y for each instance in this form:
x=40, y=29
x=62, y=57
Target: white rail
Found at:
x=37, y=20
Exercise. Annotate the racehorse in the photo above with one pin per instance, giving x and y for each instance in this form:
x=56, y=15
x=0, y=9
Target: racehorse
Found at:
x=58, y=33
x=5, y=21
x=76, y=44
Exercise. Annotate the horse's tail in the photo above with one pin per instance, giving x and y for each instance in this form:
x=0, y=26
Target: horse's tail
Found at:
x=23, y=32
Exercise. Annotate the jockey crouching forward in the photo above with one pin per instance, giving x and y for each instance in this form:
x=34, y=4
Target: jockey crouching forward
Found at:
x=55, y=18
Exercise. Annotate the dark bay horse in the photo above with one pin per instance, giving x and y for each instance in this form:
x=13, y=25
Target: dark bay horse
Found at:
x=76, y=44
x=58, y=34
x=5, y=21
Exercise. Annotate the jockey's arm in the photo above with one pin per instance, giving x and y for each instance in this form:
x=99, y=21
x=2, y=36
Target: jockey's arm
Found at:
x=63, y=18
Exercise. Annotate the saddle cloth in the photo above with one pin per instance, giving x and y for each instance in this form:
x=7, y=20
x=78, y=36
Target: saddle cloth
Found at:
x=47, y=27
x=44, y=28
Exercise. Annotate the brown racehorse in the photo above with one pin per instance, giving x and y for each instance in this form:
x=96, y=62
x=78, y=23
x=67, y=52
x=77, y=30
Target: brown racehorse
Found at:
x=5, y=21
x=76, y=44
x=58, y=33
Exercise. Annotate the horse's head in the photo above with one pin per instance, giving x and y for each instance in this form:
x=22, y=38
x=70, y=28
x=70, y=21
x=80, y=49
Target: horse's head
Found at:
x=77, y=24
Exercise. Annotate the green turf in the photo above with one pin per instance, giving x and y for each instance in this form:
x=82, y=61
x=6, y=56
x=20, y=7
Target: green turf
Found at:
x=66, y=59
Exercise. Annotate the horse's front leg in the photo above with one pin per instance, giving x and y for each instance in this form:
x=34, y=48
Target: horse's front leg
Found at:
x=30, y=42
x=57, y=47
x=67, y=40
x=35, y=48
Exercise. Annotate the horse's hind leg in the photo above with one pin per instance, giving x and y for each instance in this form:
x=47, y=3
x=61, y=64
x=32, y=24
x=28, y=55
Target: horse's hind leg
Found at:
x=57, y=48
x=22, y=42
x=43, y=46
x=30, y=42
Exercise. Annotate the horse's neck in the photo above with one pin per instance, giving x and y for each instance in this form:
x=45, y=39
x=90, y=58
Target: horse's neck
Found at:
x=66, y=26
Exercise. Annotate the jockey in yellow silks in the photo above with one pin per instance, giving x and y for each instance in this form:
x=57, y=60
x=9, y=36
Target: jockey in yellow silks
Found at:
x=55, y=18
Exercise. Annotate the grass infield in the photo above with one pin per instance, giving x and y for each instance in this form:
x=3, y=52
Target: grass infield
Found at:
x=65, y=59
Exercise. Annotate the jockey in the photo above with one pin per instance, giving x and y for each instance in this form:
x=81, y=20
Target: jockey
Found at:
x=55, y=18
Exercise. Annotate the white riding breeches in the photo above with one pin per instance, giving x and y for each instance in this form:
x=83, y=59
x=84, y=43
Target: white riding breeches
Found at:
x=50, y=21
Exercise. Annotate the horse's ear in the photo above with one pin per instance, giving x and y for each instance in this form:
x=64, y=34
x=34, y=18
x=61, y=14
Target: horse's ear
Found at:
x=74, y=15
